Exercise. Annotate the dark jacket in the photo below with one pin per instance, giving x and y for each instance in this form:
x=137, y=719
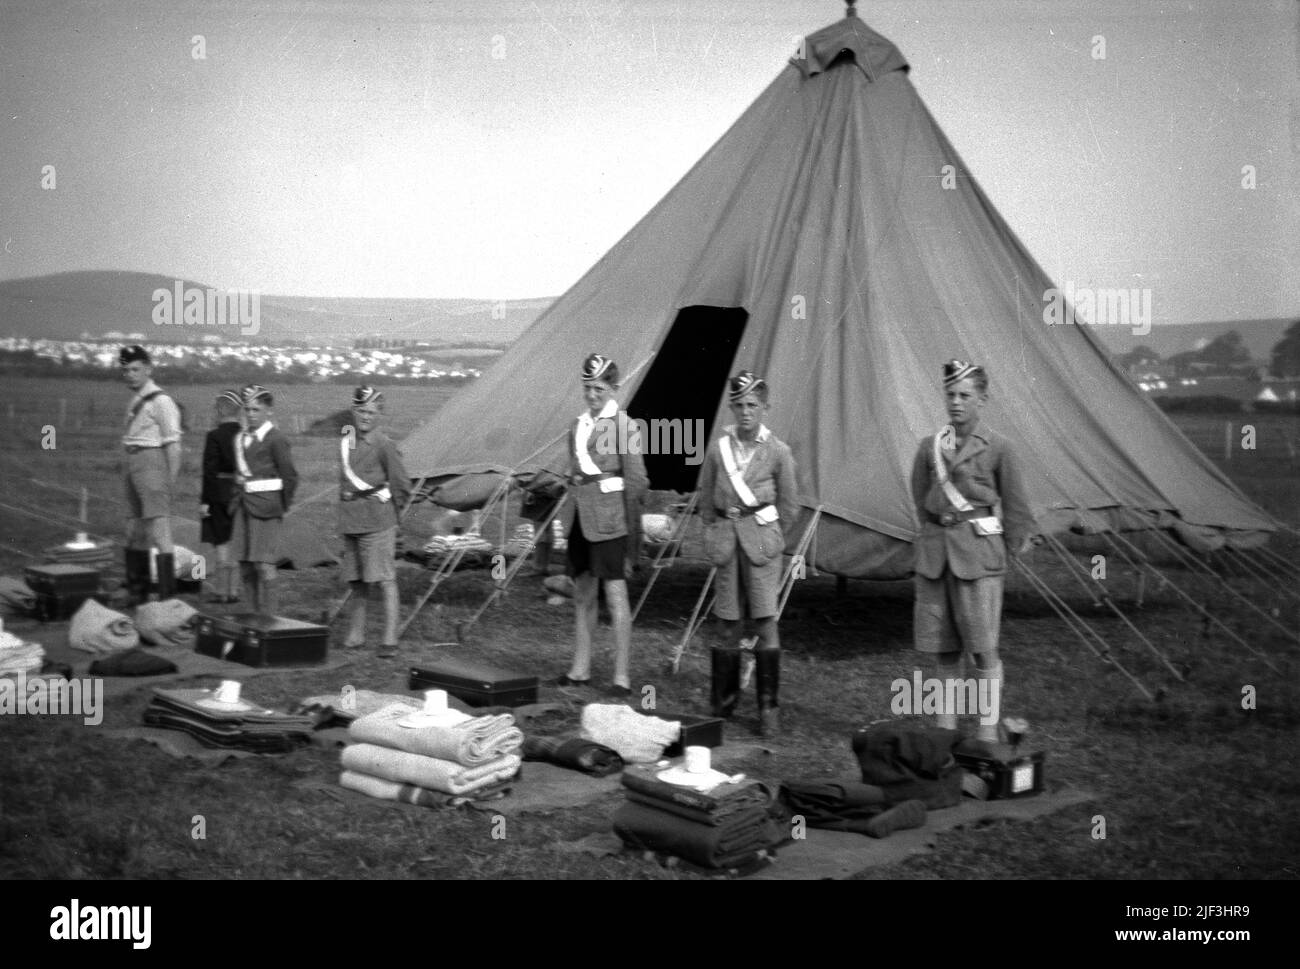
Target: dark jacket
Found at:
x=219, y=459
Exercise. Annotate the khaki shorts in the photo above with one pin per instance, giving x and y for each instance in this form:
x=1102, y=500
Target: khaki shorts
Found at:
x=740, y=582
x=148, y=486
x=954, y=615
x=256, y=539
x=368, y=556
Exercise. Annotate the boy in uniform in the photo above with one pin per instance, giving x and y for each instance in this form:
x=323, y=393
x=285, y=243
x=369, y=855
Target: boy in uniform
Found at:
x=219, y=489
x=747, y=498
x=973, y=507
x=265, y=480
x=152, y=442
x=373, y=490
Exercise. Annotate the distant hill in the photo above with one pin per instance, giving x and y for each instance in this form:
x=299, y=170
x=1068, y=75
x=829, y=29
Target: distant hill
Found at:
x=1259, y=336
x=65, y=306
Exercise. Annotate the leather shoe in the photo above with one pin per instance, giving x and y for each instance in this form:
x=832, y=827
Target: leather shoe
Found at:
x=620, y=692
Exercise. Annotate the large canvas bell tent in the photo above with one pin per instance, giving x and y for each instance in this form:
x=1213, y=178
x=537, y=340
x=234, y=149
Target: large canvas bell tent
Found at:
x=819, y=244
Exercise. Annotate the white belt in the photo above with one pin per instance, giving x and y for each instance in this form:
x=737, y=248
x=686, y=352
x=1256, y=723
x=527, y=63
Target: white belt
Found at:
x=263, y=484
x=610, y=485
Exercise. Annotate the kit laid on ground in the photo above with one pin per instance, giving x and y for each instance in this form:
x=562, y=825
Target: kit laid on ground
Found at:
x=60, y=589
x=477, y=684
x=259, y=640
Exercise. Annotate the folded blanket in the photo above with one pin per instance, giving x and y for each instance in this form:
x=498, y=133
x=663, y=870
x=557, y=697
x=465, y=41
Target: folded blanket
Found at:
x=646, y=827
x=574, y=752
x=720, y=802
x=16, y=597
x=636, y=738
x=438, y=775
x=97, y=629
x=258, y=738
x=132, y=662
x=167, y=623
x=386, y=790
x=471, y=741
x=698, y=815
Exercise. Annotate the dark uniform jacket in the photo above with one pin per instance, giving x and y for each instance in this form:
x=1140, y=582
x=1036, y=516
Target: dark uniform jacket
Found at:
x=219, y=460
x=985, y=471
x=609, y=515
x=270, y=458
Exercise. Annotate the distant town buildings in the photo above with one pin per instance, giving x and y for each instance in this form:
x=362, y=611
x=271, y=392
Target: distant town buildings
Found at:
x=217, y=354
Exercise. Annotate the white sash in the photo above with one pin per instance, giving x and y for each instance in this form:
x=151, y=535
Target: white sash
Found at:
x=383, y=494
x=251, y=484
x=742, y=490
x=580, y=438
x=955, y=497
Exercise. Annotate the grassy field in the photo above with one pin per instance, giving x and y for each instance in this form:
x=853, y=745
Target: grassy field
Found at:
x=1191, y=786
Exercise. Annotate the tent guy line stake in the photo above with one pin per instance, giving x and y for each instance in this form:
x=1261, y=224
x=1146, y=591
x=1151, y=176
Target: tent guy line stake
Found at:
x=1072, y=563
x=694, y=623
x=1191, y=601
x=516, y=566
x=1107, y=656
x=1197, y=564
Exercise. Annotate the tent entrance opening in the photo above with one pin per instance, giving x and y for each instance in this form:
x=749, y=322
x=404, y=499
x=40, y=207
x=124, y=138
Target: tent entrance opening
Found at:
x=678, y=399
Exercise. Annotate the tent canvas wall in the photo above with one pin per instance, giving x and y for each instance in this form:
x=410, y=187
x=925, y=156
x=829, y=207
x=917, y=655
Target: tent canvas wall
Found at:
x=818, y=244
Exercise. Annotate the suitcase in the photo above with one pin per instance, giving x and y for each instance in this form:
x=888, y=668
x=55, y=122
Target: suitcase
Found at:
x=60, y=589
x=1014, y=775
x=696, y=732
x=259, y=640
x=477, y=684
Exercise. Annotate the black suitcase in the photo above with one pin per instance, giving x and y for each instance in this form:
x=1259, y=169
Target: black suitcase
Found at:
x=696, y=732
x=477, y=684
x=258, y=640
x=1011, y=775
x=60, y=589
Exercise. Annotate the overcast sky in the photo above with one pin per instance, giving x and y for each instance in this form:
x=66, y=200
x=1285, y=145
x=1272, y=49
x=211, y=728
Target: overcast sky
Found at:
x=496, y=148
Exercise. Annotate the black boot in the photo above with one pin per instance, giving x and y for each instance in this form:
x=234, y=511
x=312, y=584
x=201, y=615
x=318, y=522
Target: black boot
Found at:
x=767, y=664
x=724, y=688
x=166, y=575
x=137, y=574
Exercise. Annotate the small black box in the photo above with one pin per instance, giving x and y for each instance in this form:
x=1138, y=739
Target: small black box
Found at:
x=259, y=640
x=696, y=732
x=62, y=580
x=56, y=606
x=60, y=589
x=1007, y=773
x=475, y=683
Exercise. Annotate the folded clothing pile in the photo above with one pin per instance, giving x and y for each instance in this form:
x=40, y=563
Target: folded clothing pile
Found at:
x=238, y=726
x=852, y=806
x=442, y=544
x=18, y=656
x=400, y=754
x=576, y=753
x=637, y=738
x=725, y=826
x=171, y=622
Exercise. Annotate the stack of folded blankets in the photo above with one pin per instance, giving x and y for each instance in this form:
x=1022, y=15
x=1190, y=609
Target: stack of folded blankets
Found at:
x=17, y=656
x=402, y=754
x=238, y=726
x=725, y=826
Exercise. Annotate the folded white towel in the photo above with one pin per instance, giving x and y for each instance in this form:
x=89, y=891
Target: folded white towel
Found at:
x=99, y=630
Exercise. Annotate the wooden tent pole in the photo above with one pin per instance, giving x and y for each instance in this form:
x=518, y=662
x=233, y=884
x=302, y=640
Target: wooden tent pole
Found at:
x=674, y=543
